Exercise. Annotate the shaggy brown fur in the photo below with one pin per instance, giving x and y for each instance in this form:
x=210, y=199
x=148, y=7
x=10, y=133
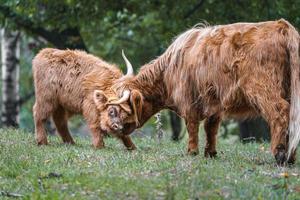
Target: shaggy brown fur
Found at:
x=239, y=70
x=74, y=82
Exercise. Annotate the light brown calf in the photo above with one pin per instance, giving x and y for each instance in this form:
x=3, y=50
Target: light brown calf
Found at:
x=73, y=82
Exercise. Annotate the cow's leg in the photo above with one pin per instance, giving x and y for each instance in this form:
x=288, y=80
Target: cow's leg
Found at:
x=193, y=128
x=279, y=129
x=211, y=126
x=276, y=112
x=60, y=119
x=127, y=142
x=128, y=129
x=292, y=157
x=41, y=112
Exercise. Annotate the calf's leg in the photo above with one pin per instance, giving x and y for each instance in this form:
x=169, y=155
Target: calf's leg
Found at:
x=41, y=112
x=97, y=136
x=91, y=116
x=60, y=119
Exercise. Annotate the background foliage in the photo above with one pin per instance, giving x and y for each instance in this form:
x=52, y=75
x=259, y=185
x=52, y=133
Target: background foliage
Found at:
x=143, y=28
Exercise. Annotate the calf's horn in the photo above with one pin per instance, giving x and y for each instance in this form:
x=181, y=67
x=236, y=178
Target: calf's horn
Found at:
x=128, y=65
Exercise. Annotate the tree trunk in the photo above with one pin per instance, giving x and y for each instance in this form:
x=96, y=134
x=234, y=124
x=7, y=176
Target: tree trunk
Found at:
x=254, y=130
x=10, y=52
x=175, y=125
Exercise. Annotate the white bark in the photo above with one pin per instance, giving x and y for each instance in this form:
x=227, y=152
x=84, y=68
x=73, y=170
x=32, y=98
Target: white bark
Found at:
x=10, y=53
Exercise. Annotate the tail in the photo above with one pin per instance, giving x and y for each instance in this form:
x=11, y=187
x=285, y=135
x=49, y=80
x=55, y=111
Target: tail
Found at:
x=294, y=122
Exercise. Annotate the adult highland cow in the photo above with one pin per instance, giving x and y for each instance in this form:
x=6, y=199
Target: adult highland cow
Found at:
x=74, y=82
x=239, y=70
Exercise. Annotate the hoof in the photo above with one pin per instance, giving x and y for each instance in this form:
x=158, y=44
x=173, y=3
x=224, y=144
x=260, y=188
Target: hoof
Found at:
x=42, y=142
x=98, y=146
x=71, y=142
x=193, y=152
x=280, y=156
x=210, y=154
x=132, y=148
x=292, y=159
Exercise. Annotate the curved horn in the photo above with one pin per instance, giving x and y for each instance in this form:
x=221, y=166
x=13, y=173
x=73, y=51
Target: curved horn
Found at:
x=125, y=97
x=128, y=65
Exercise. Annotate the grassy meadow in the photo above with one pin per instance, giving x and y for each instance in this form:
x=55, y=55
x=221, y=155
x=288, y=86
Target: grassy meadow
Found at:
x=156, y=170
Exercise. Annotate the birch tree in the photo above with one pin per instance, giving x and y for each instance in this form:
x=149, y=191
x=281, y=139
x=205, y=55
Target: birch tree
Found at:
x=10, y=52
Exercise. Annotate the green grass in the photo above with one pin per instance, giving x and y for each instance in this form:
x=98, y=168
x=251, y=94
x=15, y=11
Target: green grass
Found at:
x=157, y=170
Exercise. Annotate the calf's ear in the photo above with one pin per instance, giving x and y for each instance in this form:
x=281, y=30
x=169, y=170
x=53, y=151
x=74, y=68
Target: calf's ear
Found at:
x=137, y=100
x=99, y=98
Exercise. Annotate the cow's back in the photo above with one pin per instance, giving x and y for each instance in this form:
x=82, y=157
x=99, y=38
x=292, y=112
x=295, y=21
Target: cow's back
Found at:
x=213, y=63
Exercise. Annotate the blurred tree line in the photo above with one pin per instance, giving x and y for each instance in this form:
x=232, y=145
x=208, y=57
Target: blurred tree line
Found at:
x=142, y=28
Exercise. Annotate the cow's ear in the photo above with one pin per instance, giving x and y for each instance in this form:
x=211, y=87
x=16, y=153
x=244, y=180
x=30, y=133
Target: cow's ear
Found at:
x=137, y=100
x=100, y=98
